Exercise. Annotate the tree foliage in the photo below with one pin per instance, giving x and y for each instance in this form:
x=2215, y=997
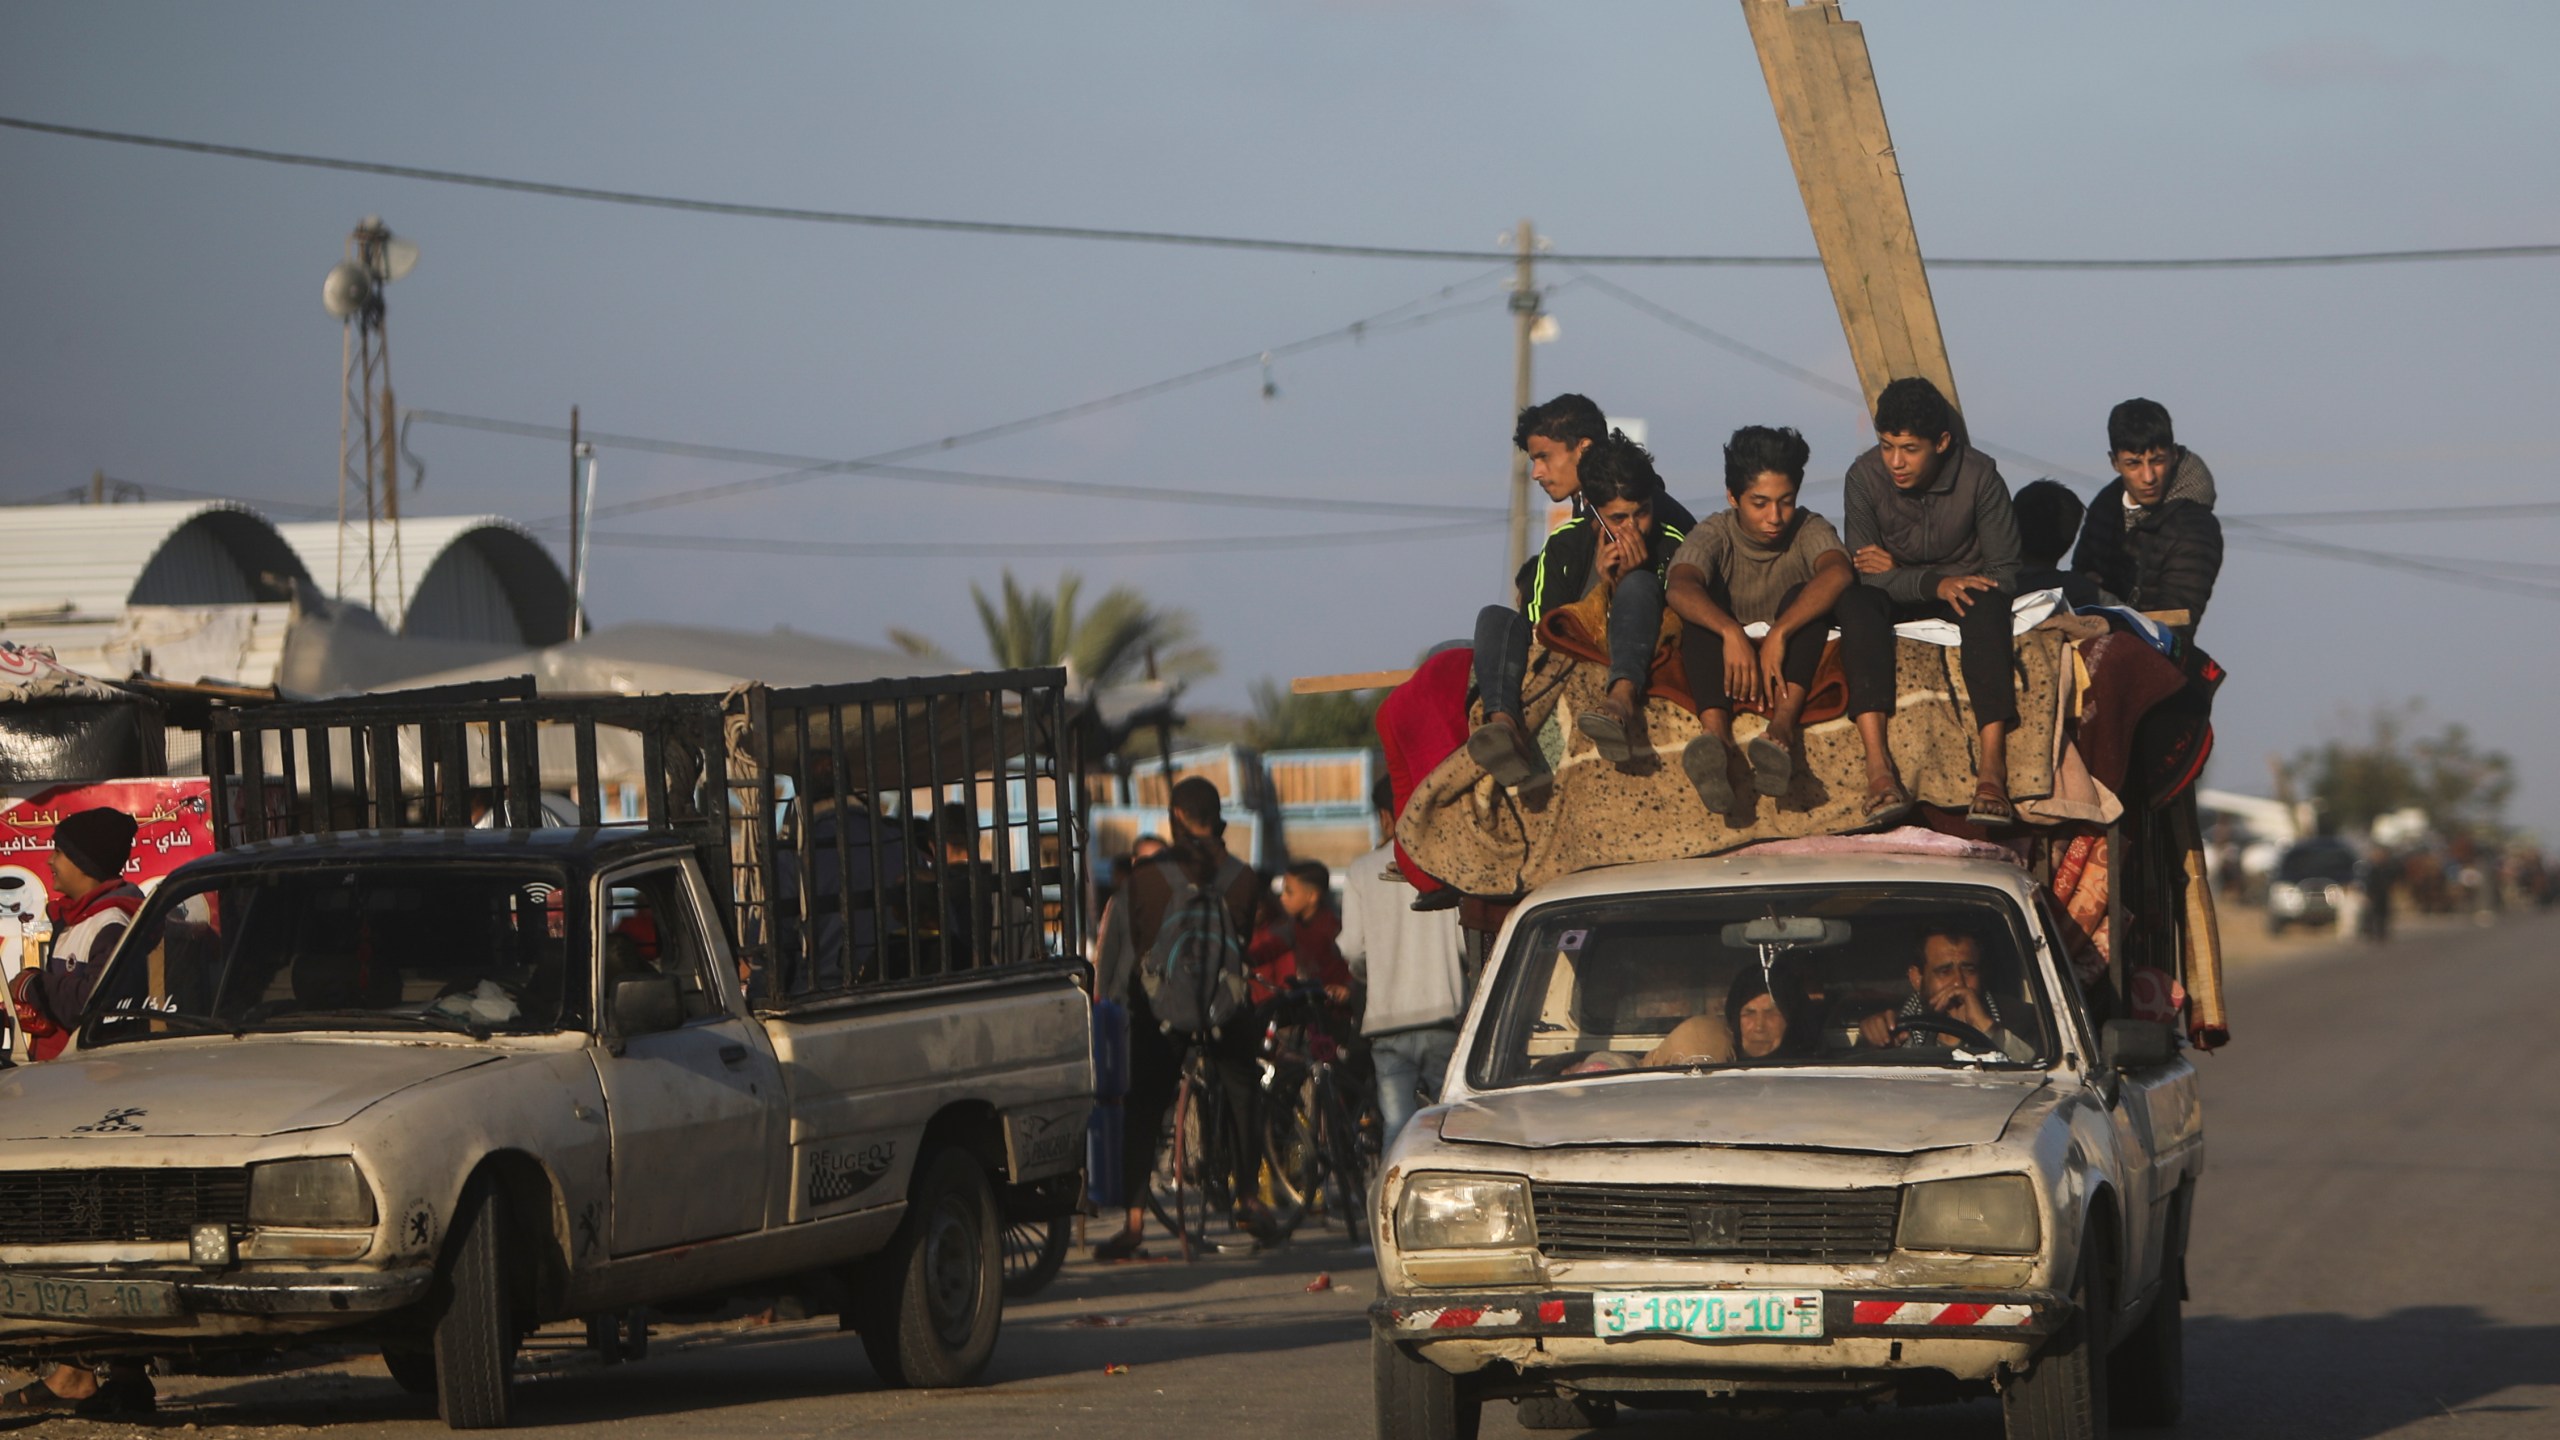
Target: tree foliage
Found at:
x=1105, y=645
x=1343, y=720
x=2394, y=765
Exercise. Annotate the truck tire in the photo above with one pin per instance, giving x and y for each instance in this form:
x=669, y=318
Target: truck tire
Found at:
x=1566, y=1412
x=2064, y=1395
x=1418, y=1400
x=475, y=1326
x=412, y=1367
x=928, y=1307
x=2147, y=1377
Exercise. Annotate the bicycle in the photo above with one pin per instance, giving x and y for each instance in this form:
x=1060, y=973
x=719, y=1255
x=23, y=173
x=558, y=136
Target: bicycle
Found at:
x=1033, y=1252
x=1190, y=1185
x=1322, y=1129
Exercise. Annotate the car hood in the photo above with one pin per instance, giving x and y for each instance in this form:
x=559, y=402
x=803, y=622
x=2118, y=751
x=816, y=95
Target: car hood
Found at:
x=215, y=1086
x=1894, y=1113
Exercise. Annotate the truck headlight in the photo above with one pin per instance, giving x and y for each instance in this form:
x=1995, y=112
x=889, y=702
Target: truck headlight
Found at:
x=1463, y=1212
x=1984, y=1215
x=329, y=1191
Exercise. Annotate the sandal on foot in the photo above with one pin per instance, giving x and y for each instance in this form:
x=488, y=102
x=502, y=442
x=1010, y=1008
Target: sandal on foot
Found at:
x=1887, y=805
x=1991, y=809
x=1502, y=747
x=1123, y=1246
x=1773, y=770
x=35, y=1395
x=1709, y=766
x=1607, y=729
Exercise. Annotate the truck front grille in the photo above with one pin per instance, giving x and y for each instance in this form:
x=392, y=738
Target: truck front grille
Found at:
x=68, y=1207
x=1725, y=1222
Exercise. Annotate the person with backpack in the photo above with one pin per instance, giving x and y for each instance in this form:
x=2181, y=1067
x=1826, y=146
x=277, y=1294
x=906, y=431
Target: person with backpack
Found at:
x=1173, y=951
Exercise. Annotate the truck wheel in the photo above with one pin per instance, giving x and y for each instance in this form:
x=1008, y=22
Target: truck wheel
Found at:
x=929, y=1305
x=2064, y=1397
x=1418, y=1400
x=475, y=1335
x=2147, y=1378
x=413, y=1368
x=1566, y=1412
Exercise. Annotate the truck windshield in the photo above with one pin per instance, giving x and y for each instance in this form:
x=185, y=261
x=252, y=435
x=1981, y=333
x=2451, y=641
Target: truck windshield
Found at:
x=1835, y=975
x=475, y=951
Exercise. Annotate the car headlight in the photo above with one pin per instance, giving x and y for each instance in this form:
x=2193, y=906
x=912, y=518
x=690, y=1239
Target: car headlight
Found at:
x=329, y=1191
x=1463, y=1212
x=1985, y=1215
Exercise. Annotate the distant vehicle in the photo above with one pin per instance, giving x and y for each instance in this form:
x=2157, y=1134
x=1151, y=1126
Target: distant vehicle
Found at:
x=2311, y=883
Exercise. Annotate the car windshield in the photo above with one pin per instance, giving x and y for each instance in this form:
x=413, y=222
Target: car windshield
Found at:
x=2317, y=862
x=478, y=951
x=1833, y=975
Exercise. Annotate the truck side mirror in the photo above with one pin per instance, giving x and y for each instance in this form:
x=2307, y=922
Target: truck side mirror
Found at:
x=2137, y=1044
x=646, y=1004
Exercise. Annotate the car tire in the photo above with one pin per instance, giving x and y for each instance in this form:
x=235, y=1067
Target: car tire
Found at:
x=474, y=1352
x=2147, y=1376
x=412, y=1367
x=1565, y=1412
x=928, y=1307
x=1418, y=1400
x=2063, y=1396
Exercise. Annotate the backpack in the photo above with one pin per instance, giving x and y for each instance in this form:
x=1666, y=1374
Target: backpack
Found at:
x=1195, y=972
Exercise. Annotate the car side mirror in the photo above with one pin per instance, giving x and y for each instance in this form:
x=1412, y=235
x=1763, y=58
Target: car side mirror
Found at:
x=2137, y=1044
x=646, y=1004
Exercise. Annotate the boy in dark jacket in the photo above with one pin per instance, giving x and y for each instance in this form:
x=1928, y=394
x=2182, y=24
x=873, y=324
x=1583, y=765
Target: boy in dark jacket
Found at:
x=2151, y=538
x=1932, y=538
x=1619, y=541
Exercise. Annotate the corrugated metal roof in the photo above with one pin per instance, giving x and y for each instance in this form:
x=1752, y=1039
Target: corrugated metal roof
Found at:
x=92, y=560
x=448, y=562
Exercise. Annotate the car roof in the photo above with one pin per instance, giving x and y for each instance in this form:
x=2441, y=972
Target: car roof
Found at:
x=574, y=848
x=1726, y=872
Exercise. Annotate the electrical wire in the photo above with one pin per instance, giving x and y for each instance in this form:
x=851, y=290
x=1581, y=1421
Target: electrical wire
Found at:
x=2448, y=571
x=1224, y=548
x=805, y=468
x=810, y=215
x=2416, y=514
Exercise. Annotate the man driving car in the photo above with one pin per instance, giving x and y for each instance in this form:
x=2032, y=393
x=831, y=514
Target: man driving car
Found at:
x=1946, y=983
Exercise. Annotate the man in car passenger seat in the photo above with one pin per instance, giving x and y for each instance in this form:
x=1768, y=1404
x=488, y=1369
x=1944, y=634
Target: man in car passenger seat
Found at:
x=1946, y=982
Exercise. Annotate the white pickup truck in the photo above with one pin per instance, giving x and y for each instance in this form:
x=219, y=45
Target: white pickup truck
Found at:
x=400, y=1079
x=1789, y=1132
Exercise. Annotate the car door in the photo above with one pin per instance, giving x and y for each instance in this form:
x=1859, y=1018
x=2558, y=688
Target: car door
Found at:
x=691, y=1105
x=2129, y=1118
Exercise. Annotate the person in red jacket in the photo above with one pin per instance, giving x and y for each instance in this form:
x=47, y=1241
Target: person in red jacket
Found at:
x=1301, y=942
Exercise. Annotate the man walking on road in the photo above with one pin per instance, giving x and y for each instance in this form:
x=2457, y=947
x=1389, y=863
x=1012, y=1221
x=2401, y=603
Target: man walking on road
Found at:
x=1412, y=962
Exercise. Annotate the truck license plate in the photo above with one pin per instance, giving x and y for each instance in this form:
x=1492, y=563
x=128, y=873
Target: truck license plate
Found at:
x=44, y=1297
x=1708, y=1314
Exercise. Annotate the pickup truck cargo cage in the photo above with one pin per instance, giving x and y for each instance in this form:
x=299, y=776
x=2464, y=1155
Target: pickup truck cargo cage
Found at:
x=830, y=808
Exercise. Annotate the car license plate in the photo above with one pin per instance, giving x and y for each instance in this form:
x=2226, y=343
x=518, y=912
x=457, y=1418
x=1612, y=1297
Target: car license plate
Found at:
x=1708, y=1314
x=46, y=1298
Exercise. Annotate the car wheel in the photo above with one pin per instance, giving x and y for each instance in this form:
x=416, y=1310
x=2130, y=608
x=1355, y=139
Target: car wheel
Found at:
x=1566, y=1412
x=2063, y=1396
x=1418, y=1400
x=928, y=1307
x=413, y=1368
x=2147, y=1377
x=474, y=1355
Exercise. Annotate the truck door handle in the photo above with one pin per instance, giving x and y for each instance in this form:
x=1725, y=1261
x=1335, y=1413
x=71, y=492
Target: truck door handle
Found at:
x=733, y=1054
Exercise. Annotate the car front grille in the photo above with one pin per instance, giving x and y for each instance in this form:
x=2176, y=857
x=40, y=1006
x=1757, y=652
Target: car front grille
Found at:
x=69, y=1207
x=1725, y=1222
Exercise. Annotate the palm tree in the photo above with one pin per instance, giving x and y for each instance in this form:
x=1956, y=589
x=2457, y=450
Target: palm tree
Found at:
x=1106, y=645
x=1346, y=720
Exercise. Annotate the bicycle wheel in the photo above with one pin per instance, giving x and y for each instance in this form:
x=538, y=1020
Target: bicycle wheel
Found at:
x=1293, y=1157
x=1174, y=1191
x=1348, y=1163
x=1033, y=1251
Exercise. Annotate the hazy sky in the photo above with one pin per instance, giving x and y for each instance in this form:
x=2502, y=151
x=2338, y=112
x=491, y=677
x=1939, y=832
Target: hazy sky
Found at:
x=160, y=315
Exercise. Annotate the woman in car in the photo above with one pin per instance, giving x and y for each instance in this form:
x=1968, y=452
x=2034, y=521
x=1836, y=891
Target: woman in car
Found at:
x=1761, y=1021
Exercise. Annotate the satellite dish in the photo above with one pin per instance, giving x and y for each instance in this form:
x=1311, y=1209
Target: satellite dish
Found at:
x=399, y=256
x=347, y=290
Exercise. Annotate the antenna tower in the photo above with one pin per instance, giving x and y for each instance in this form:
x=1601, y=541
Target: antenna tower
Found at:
x=369, y=560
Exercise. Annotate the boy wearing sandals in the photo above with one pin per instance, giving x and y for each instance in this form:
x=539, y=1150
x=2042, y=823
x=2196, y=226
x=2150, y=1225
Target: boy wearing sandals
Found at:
x=1764, y=561
x=1618, y=542
x=1932, y=537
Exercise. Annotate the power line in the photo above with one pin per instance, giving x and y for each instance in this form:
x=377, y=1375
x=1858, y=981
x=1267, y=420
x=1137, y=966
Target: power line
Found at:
x=810, y=215
x=1226, y=548
x=1388, y=321
x=2451, y=572
x=2528, y=510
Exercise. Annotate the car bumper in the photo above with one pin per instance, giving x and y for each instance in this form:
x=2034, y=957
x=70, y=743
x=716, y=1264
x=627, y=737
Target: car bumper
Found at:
x=1966, y=1333
x=225, y=1305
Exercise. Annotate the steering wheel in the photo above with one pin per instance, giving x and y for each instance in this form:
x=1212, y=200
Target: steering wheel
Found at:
x=1974, y=1039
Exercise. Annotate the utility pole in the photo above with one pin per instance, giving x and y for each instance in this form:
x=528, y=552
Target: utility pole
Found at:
x=577, y=589
x=97, y=487
x=1524, y=318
